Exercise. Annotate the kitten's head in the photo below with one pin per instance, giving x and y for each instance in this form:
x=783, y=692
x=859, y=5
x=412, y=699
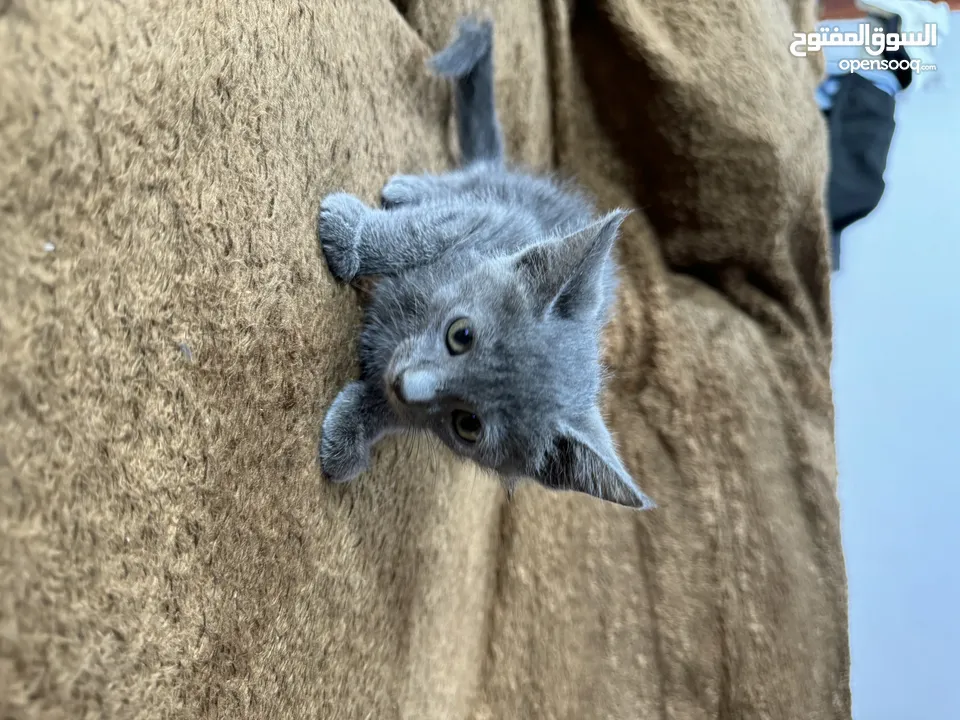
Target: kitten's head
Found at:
x=502, y=364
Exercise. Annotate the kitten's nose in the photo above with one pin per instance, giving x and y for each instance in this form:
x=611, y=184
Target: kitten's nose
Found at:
x=415, y=387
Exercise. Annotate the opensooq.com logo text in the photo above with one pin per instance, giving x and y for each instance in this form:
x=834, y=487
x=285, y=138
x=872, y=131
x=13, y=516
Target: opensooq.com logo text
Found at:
x=873, y=42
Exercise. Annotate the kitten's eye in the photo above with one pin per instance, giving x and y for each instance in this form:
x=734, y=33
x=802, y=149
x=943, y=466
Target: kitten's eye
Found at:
x=467, y=426
x=459, y=336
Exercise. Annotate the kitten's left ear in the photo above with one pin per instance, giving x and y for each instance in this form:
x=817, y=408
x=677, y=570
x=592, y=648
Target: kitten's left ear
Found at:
x=564, y=273
x=584, y=460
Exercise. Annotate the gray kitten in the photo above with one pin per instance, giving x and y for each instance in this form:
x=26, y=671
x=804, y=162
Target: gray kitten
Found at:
x=485, y=325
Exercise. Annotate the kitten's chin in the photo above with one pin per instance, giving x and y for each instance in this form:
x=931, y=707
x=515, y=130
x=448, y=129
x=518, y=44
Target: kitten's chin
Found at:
x=395, y=403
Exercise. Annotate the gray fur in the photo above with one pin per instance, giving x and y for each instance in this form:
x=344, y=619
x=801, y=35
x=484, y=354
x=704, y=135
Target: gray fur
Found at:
x=469, y=61
x=527, y=261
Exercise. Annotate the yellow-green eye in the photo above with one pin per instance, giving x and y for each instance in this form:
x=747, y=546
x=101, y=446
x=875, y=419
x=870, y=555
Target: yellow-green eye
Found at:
x=467, y=426
x=459, y=336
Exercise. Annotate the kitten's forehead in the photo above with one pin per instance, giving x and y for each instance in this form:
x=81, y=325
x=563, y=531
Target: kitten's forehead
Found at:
x=526, y=372
x=489, y=289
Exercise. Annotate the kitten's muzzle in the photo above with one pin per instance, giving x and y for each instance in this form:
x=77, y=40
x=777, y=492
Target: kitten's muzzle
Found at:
x=415, y=386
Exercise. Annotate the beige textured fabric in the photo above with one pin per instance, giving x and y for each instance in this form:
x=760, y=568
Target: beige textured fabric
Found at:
x=167, y=547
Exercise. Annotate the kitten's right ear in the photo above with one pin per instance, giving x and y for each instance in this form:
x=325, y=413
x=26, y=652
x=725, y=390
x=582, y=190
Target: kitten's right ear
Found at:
x=583, y=459
x=564, y=274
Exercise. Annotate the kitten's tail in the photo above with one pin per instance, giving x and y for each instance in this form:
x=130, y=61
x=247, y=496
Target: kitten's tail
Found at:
x=469, y=61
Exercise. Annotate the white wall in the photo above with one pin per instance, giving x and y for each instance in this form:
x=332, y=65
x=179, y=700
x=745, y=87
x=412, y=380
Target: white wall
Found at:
x=897, y=388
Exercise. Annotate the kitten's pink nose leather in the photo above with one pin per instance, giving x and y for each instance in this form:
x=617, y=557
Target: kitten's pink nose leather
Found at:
x=416, y=387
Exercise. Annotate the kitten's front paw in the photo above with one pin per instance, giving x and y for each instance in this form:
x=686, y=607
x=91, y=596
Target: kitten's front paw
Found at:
x=341, y=217
x=403, y=190
x=344, y=446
